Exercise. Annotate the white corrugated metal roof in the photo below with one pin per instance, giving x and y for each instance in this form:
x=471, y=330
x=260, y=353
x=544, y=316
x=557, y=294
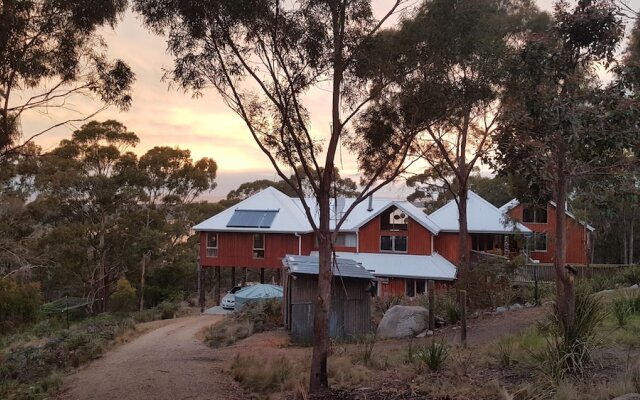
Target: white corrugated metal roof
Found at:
x=289, y=218
x=360, y=215
x=515, y=203
x=433, y=267
x=482, y=217
x=310, y=265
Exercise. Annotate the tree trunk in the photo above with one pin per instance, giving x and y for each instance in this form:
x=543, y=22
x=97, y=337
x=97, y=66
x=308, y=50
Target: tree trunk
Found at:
x=318, y=380
x=565, y=279
x=463, y=240
x=143, y=268
x=631, y=242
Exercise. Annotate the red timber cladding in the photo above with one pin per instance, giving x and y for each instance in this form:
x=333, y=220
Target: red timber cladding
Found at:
x=576, y=236
x=446, y=244
x=419, y=238
x=395, y=286
x=236, y=249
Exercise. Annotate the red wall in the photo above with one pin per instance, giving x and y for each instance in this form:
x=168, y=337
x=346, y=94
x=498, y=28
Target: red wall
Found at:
x=576, y=237
x=446, y=244
x=236, y=249
x=419, y=238
x=395, y=286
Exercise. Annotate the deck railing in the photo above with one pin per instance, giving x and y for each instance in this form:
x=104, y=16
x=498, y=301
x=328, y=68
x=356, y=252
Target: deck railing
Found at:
x=546, y=272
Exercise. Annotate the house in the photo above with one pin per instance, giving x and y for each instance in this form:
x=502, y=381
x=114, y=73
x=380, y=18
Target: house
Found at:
x=489, y=231
x=350, y=303
x=394, y=239
x=542, y=222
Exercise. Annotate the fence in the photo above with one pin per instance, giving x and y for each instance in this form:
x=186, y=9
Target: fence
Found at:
x=546, y=272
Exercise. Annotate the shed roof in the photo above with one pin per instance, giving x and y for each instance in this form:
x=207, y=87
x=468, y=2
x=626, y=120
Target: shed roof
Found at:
x=515, y=203
x=482, y=217
x=310, y=265
x=433, y=267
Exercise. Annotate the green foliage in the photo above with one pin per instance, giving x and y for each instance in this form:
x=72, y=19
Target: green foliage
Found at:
x=168, y=309
x=365, y=346
x=432, y=356
x=631, y=276
x=569, y=349
x=504, y=352
x=622, y=311
x=19, y=304
x=124, y=298
x=30, y=370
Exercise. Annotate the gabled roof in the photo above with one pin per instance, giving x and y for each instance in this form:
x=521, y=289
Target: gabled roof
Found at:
x=360, y=215
x=288, y=218
x=310, y=265
x=433, y=267
x=515, y=203
x=482, y=217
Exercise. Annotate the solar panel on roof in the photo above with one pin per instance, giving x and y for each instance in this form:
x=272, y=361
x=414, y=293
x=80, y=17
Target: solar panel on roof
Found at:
x=252, y=218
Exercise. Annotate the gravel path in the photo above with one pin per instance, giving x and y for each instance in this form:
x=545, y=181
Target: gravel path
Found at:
x=166, y=363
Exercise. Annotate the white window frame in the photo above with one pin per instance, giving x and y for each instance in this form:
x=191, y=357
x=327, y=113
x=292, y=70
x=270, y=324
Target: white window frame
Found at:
x=393, y=244
x=212, y=251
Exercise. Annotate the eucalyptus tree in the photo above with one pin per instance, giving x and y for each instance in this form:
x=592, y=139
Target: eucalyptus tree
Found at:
x=265, y=58
x=560, y=125
x=169, y=181
x=82, y=204
x=49, y=53
x=457, y=53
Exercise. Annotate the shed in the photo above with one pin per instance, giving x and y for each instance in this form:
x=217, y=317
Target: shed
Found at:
x=257, y=293
x=350, y=314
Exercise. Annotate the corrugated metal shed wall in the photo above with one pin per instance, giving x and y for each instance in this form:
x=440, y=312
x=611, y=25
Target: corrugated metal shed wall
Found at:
x=350, y=307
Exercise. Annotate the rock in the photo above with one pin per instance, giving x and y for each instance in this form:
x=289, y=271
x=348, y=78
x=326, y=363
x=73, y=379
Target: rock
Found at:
x=528, y=305
x=474, y=315
x=439, y=322
x=516, y=307
x=629, y=396
x=403, y=321
x=500, y=310
x=634, y=286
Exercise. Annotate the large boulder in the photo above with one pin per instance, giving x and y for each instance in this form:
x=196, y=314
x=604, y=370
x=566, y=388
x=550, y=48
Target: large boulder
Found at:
x=630, y=396
x=403, y=321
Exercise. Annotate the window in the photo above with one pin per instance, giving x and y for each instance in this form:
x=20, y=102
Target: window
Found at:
x=258, y=245
x=346, y=240
x=539, y=242
x=212, y=244
x=393, y=219
x=414, y=287
x=396, y=244
x=535, y=215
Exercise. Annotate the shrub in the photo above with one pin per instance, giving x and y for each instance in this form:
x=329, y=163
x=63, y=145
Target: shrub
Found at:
x=447, y=308
x=19, y=304
x=568, y=350
x=365, y=349
x=623, y=308
x=504, y=352
x=168, y=309
x=630, y=276
x=433, y=356
x=262, y=376
x=124, y=298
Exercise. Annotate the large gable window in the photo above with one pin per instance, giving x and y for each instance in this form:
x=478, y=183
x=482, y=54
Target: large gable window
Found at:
x=212, y=244
x=395, y=244
x=258, y=245
x=534, y=215
x=393, y=219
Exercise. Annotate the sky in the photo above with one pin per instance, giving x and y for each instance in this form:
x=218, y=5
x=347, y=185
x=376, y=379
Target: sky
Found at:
x=162, y=115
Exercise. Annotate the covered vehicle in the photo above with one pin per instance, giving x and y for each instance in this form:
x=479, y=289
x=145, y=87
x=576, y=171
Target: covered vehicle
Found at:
x=256, y=293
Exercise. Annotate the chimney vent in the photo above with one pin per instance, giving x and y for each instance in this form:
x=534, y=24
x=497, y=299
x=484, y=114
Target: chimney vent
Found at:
x=370, y=203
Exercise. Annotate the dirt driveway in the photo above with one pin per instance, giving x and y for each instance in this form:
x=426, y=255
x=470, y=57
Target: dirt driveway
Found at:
x=166, y=363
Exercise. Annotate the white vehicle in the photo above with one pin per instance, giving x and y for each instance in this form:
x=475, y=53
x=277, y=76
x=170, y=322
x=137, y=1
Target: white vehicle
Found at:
x=229, y=299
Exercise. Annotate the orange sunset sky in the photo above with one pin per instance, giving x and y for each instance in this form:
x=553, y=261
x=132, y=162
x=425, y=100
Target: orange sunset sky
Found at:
x=164, y=116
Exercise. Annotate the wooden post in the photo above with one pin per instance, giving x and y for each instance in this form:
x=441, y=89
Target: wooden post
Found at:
x=217, y=286
x=201, y=287
x=244, y=276
x=463, y=317
x=233, y=277
x=261, y=275
x=432, y=298
x=536, y=291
